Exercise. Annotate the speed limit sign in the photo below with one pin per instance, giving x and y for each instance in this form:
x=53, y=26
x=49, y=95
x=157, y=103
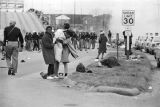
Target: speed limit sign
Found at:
x=128, y=17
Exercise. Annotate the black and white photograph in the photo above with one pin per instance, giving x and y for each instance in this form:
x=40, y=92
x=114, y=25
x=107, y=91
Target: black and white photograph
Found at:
x=79, y=53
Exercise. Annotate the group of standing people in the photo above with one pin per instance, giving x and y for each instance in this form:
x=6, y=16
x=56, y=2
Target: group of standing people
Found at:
x=56, y=48
x=33, y=41
x=87, y=40
x=84, y=40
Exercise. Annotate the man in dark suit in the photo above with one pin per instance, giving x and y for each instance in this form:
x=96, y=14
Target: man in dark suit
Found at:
x=12, y=39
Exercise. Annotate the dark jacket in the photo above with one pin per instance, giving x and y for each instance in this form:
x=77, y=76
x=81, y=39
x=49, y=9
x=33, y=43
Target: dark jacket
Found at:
x=13, y=35
x=48, y=48
x=102, y=43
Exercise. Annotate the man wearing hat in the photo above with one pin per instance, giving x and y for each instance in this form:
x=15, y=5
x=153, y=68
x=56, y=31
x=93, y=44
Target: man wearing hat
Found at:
x=12, y=38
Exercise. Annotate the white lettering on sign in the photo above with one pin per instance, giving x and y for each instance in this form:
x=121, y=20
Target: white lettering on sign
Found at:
x=128, y=17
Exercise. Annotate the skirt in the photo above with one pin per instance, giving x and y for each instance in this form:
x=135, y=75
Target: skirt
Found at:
x=65, y=54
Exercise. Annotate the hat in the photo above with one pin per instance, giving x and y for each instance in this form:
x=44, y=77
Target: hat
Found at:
x=102, y=32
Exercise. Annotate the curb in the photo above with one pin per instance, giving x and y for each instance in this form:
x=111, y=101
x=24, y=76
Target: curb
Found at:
x=121, y=91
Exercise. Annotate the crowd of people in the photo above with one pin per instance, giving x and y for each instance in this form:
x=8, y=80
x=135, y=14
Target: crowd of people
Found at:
x=80, y=40
x=55, y=46
x=33, y=41
x=84, y=40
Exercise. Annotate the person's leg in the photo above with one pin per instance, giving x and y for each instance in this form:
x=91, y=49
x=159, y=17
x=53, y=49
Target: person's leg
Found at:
x=50, y=69
x=98, y=55
x=80, y=44
x=102, y=55
x=56, y=68
x=15, y=60
x=9, y=52
x=93, y=44
x=33, y=46
x=89, y=44
x=85, y=46
x=65, y=69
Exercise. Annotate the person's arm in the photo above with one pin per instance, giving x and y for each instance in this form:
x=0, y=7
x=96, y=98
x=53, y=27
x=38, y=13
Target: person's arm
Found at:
x=5, y=37
x=21, y=38
x=100, y=39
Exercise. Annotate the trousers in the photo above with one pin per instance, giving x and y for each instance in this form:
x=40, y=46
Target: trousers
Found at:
x=50, y=69
x=12, y=56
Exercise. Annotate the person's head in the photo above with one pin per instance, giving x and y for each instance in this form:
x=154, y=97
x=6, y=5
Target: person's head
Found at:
x=66, y=26
x=49, y=29
x=102, y=32
x=12, y=23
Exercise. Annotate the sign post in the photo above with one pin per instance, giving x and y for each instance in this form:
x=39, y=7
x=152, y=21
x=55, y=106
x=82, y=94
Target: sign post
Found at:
x=128, y=19
x=128, y=34
x=117, y=37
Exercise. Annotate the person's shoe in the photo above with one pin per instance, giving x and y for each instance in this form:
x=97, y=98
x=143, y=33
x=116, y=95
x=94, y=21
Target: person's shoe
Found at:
x=50, y=78
x=13, y=74
x=43, y=75
x=2, y=58
x=97, y=58
x=9, y=72
x=55, y=77
x=66, y=74
x=23, y=60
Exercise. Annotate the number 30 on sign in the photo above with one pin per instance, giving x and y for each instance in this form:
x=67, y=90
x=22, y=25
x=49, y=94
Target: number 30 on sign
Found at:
x=128, y=17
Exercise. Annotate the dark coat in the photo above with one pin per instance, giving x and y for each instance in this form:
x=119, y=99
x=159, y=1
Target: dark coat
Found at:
x=102, y=43
x=12, y=33
x=48, y=48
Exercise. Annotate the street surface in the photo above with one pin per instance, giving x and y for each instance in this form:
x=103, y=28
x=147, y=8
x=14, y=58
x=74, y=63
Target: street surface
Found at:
x=28, y=89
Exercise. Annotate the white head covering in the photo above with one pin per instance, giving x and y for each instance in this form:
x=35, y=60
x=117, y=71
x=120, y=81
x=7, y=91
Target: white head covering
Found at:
x=102, y=32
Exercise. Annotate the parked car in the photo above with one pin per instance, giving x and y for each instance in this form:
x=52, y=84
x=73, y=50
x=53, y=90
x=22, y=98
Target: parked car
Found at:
x=157, y=55
x=147, y=43
x=154, y=44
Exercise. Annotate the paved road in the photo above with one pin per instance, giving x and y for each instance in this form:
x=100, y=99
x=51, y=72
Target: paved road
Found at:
x=28, y=89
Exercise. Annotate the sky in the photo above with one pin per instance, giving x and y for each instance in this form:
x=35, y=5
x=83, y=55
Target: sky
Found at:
x=146, y=11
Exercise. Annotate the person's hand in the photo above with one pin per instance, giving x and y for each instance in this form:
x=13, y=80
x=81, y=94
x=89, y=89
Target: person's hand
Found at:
x=3, y=48
x=59, y=40
x=20, y=48
x=66, y=41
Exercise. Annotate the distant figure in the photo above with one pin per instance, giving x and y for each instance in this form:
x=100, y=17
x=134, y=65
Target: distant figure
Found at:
x=35, y=41
x=102, y=44
x=93, y=40
x=109, y=36
x=12, y=37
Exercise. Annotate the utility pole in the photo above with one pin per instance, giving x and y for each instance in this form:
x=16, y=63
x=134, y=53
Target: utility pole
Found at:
x=74, y=12
x=103, y=22
x=0, y=14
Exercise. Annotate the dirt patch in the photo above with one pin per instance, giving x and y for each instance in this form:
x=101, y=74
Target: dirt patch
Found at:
x=130, y=74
